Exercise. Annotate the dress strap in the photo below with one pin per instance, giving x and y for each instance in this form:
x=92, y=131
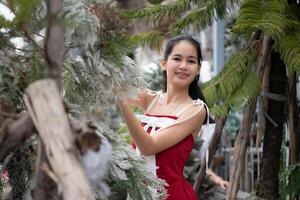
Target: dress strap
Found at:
x=195, y=102
x=158, y=97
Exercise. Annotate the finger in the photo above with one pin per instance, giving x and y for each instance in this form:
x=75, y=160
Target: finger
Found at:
x=226, y=184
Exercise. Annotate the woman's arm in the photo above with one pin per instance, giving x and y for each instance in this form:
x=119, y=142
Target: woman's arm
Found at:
x=149, y=145
x=217, y=180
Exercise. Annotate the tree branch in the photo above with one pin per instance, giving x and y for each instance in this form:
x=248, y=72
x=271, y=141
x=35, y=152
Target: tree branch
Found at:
x=50, y=118
x=34, y=43
x=16, y=133
x=54, y=44
x=4, y=114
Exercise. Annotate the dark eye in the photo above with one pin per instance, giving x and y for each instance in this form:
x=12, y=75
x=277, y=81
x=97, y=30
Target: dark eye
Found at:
x=176, y=58
x=192, y=61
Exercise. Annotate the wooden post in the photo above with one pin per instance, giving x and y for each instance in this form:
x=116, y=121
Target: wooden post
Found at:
x=240, y=146
x=46, y=108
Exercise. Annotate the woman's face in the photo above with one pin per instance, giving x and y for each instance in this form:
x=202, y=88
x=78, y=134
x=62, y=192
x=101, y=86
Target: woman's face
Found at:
x=182, y=64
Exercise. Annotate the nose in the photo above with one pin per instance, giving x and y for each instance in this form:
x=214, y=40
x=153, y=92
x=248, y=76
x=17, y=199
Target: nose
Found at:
x=183, y=66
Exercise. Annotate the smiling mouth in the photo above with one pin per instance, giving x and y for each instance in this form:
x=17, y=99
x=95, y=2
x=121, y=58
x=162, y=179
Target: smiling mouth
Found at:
x=182, y=74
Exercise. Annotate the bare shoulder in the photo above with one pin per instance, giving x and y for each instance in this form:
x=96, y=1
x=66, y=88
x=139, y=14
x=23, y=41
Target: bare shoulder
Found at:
x=145, y=96
x=195, y=113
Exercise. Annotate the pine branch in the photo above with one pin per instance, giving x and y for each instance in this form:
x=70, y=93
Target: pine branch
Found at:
x=158, y=11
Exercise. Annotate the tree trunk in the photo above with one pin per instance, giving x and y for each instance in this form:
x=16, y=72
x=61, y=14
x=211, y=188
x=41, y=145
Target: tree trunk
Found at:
x=240, y=146
x=292, y=118
x=240, y=149
x=50, y=119
x=269, y=179
x=54, y=56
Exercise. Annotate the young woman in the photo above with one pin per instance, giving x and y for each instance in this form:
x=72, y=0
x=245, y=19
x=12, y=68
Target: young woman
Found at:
x=172, y=119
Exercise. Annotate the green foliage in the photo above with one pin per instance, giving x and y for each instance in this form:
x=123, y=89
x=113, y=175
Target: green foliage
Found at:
x=159, y=11
x=184, y=14
x=247, y=92
x=293, y=187
x=24, y=10
x=17, y=72
x=4, y=23
x=202, y=15
x=289, y=49
x=152, y=39
x=155, y=1
x=279, y=21
x=236, y=85
x=290, y=179
x=267, y=16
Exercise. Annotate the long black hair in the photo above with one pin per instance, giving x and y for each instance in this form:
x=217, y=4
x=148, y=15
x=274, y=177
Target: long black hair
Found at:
x=195, y=91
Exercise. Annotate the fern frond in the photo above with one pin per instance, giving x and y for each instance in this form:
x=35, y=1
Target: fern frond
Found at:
x=220, y=110
x=231, y=78
x=238, y=96
x=247, y=92
x=153, y=39
x=289, y=50
x=199, y=18
x=203, y=14
x=268, y=16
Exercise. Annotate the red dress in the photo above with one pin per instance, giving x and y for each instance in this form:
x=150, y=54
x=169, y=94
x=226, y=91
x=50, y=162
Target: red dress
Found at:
x=170, y=164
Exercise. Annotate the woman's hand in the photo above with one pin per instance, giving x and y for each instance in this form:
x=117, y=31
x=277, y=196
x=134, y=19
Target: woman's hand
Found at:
x=221, y=183
x=217, y=180
x=121, y=98
x=140, y=98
